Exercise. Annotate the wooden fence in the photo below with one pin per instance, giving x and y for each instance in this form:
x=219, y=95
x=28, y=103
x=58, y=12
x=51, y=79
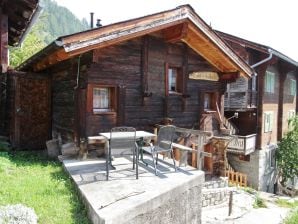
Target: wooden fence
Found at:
x=236, y=178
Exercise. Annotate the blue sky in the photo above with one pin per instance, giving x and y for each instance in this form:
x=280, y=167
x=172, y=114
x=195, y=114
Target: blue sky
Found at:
x=273, y=23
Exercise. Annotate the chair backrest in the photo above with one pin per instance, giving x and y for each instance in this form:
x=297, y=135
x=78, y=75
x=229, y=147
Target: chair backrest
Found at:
x=165, y=137
x=122, y=141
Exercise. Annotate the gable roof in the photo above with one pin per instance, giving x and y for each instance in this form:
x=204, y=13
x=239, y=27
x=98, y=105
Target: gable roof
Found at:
x=21, y=14
x=256, y=46
x=179, y=24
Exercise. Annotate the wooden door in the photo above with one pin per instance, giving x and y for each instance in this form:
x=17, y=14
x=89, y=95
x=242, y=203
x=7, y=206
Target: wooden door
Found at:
x=31, y=121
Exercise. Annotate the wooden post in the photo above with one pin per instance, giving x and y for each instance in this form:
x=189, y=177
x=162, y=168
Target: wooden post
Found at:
x=144, y=66
x=194, y=157
x=3, y=41
x=230, y=202
x=199, y=152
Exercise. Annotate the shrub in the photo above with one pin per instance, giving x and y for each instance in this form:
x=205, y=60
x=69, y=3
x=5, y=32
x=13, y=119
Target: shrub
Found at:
x=259, y=202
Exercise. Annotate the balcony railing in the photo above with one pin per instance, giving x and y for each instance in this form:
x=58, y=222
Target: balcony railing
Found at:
x=243, y=144
x=240, y=100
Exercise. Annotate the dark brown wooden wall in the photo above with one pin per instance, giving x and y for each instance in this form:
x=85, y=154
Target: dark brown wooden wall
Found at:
x=64, y=77
x=120, y=65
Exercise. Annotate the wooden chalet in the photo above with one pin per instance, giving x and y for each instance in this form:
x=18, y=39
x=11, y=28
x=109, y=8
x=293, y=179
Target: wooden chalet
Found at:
x=136, y=73
x=264, y=104
x=16, y=17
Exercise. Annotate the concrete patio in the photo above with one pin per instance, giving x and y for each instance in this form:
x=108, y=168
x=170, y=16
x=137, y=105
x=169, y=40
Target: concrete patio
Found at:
x=170, y=197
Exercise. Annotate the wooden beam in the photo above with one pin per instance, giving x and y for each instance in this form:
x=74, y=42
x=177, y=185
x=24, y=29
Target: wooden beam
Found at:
x=184, y=75
x=51, y=59
x=282, y=78
x=3, y=41
x=118, y=38
x=229, y=76
x=144, y=67
x=175, y=33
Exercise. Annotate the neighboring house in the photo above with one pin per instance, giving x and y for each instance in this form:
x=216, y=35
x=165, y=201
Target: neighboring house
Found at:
x=136, y=73
x=16, y=17
x=264, y=104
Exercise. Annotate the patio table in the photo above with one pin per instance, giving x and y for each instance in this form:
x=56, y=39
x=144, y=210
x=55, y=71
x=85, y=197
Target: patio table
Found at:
x=140, y=136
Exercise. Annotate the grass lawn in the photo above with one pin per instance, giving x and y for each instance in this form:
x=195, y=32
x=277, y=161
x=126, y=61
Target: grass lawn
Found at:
x=293, y=217
x=33, y=180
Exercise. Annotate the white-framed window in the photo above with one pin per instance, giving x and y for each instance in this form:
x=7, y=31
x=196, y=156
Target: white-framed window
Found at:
x=268, y=121
x=172, y=77
x=269, y=82
x=101, y=99
x=293, y=87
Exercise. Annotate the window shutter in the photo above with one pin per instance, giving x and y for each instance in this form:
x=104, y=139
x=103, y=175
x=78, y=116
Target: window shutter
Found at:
x=269, y=82
x=293, y=87
x=270, y=121
x=266, y=122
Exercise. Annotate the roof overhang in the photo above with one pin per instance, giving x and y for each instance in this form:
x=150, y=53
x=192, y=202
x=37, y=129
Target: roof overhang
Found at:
x=180, y=24
x=257, y=47
x=21, y=15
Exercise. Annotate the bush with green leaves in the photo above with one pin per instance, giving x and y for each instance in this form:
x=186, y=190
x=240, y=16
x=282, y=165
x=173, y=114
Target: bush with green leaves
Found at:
x=287, y=153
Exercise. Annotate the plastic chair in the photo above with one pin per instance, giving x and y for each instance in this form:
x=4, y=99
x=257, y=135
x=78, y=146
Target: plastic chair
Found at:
x=122, y=143
x=164, y=144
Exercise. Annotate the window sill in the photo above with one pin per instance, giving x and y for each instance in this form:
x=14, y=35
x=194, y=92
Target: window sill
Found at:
x=175, y=93
x=104, y=113
x=209, y=111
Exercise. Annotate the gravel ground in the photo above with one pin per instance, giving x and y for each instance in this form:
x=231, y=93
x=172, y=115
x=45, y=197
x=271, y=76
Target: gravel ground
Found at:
x=243, y=211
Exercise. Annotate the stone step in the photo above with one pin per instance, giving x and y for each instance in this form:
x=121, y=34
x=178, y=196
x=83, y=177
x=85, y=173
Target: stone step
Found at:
x=221, y=182
x=211, y=197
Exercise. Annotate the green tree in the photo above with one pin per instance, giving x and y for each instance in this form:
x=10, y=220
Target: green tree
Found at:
x=287, y=153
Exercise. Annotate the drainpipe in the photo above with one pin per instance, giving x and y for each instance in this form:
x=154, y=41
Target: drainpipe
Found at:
x=77, y=117
x=78, y=72
x=264, y=60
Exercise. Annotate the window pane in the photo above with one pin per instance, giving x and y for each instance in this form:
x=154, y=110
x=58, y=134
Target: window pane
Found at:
x=293, y=87
x=172, y=77
x=269, y=82
x=207, y=101
x=101, y=99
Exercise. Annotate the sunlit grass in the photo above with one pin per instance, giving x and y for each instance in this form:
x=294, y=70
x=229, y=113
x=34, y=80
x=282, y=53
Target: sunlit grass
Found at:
x=33, y=180
x=286, y=203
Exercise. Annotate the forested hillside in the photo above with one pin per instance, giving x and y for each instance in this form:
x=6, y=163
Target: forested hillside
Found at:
x=58, y=21
x=53, y=22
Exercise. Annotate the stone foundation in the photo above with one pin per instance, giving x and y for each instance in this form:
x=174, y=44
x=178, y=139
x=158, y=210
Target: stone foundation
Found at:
x=260, y=169
x=215, y=192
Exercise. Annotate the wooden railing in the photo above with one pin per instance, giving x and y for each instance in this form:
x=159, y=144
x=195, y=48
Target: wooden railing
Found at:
x=240, y=99
x=236, y=178
x=229, y=125
x=243, y=144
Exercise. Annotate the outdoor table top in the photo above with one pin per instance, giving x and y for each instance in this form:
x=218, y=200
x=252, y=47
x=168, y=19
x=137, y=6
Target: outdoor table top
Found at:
x=139, y=134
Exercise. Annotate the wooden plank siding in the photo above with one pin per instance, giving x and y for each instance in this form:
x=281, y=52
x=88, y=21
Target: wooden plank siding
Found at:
x=121, y=66
x=252, y=105
x=64, y=77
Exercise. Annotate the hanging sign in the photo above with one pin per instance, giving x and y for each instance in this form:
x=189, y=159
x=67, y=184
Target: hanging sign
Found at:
x=210, y=76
